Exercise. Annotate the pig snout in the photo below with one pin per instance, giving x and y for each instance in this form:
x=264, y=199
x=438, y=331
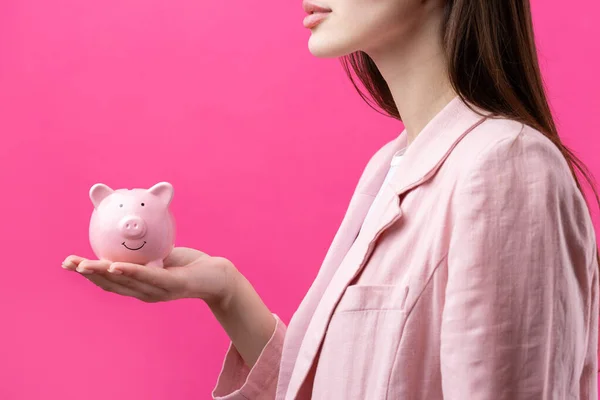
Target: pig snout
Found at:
x=132, y=227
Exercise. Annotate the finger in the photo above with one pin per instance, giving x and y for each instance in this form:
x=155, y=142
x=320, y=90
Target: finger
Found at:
x=158, y=277
x=116, y=288
x=71, y=262
x=92, y=266
x=134, y=284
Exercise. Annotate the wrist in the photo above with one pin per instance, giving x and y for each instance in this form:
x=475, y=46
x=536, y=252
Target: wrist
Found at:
x=226, y=297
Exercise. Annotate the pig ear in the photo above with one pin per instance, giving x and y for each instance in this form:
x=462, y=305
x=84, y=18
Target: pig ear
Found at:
x=99, y=192
x=164, y=190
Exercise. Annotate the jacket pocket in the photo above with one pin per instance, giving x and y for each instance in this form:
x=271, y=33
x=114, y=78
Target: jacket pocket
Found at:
x=373, y=297
x=362, y=338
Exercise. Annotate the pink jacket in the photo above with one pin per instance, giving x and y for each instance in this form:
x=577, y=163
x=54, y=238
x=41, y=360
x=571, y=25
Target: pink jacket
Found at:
x=477, y=279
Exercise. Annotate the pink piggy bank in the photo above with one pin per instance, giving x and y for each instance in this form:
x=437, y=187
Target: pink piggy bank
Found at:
x=133, y=226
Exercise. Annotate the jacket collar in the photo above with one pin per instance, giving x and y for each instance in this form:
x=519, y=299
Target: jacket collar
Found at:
x=428, y=150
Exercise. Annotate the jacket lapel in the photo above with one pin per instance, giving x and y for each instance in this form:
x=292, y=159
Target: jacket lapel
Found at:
x=344, y=261
x=362, y=198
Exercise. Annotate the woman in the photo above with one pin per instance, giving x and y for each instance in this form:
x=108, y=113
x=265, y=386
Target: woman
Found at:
x=466, y=266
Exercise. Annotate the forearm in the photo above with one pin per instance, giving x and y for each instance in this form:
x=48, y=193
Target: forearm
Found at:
x=245, y=318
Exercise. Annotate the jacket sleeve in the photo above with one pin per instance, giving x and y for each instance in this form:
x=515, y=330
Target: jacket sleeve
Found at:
x=238, y=382
x=518, y=317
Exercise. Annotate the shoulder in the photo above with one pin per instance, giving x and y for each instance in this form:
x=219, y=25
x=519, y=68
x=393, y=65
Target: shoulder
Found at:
x=519, y=175
x=518, y=182
x=507, y=152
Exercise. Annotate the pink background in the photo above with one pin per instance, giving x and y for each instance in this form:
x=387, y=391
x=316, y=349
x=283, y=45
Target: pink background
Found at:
x=263, y=143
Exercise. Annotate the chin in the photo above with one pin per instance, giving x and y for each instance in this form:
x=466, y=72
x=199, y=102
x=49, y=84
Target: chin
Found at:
x=323, y=47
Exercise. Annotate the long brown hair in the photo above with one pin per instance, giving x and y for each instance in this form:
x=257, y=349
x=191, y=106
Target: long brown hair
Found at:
x=492, y=63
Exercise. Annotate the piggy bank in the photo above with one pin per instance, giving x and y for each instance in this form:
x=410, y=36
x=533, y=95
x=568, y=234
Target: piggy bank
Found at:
x=134, y=225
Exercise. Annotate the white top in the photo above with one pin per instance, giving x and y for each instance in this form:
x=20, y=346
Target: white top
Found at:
x=378, y=202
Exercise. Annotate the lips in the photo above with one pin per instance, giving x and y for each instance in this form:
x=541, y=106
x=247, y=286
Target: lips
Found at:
x=311, y=8
x=316, y=14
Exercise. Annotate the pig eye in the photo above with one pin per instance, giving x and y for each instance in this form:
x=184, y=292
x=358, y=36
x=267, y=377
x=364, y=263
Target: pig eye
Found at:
x=142, y=204
x=120, y=205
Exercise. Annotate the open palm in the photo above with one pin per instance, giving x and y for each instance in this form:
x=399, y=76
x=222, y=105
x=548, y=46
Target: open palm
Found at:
x=188, y=273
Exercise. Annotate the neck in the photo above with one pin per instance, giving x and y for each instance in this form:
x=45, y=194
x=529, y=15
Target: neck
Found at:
x=417, y=76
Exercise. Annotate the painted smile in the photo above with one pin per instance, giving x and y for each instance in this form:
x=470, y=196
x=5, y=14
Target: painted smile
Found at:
x=130, y=248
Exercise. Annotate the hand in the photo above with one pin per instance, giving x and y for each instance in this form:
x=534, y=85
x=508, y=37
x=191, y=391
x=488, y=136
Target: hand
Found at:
x=187, y=273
